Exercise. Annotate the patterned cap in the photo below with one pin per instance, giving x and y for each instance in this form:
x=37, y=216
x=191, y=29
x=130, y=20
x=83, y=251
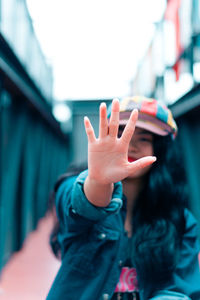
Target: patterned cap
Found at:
x=153, y=116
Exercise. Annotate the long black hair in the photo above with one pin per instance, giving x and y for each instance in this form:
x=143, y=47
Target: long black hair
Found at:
x=158, y=217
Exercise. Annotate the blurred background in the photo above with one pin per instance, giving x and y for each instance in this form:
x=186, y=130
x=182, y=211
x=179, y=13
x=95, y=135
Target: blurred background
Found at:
x=58, y=61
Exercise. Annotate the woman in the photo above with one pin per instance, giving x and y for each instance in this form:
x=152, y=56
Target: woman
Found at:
x=124, y=229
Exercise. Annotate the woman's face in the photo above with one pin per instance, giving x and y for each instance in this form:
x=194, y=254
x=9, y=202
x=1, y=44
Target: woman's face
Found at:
x=140, y=145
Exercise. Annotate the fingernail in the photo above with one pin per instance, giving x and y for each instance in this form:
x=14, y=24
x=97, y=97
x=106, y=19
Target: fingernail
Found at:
x=86, y=119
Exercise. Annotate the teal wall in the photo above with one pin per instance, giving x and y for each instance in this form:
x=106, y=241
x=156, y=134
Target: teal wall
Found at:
x=33, y=155
x=189, y=138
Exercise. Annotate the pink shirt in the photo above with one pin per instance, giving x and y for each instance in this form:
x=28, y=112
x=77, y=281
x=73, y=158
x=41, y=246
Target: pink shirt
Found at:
x=127, y=281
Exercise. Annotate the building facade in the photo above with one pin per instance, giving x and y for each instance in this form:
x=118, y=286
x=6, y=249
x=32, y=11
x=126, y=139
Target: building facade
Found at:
x=170, y=71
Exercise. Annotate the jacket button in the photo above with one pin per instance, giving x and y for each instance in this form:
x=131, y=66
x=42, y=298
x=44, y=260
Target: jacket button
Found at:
x=105, y=296
x=102, y=236
x=120, y=263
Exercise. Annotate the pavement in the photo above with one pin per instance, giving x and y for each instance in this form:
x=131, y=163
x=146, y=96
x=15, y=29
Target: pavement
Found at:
x=30, y=272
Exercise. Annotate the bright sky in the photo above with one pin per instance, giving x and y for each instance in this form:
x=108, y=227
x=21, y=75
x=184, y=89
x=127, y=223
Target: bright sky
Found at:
x=94, y=46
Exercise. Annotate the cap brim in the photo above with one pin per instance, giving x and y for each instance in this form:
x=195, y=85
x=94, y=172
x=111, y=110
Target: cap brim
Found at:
x=148, y=123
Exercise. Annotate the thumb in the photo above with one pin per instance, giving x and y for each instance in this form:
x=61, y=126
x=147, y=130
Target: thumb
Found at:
x=141, y=163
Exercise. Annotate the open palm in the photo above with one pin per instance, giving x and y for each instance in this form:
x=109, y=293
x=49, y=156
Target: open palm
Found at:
x=108, y=154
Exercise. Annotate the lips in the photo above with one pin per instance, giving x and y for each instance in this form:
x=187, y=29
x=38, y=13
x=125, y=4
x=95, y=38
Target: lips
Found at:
x=131, y=159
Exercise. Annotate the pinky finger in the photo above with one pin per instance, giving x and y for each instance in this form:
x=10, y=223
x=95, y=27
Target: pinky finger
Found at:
x=89, y=130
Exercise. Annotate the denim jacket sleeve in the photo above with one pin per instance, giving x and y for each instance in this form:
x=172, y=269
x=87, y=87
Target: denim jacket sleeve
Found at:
x=75, y=212
x=83, y=207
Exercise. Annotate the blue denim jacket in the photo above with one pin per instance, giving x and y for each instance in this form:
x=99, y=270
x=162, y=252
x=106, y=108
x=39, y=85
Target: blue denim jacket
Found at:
x=92, y=241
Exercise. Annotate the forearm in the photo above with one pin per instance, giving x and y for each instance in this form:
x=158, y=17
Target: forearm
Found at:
x=96, y=193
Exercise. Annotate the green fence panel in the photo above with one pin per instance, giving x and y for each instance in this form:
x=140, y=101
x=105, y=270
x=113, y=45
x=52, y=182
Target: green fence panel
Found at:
x=29, y=175
x=32, y=157
x=12, y=144
x=189, y=135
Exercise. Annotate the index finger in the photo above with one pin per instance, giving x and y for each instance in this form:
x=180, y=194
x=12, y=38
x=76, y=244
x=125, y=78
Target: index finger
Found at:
x=130, y=127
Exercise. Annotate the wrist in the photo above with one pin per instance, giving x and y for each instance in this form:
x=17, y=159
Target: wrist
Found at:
x=99, y=183
x=98, y=193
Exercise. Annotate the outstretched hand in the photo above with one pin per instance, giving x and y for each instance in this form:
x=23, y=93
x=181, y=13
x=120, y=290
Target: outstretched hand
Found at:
x=108, y=155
